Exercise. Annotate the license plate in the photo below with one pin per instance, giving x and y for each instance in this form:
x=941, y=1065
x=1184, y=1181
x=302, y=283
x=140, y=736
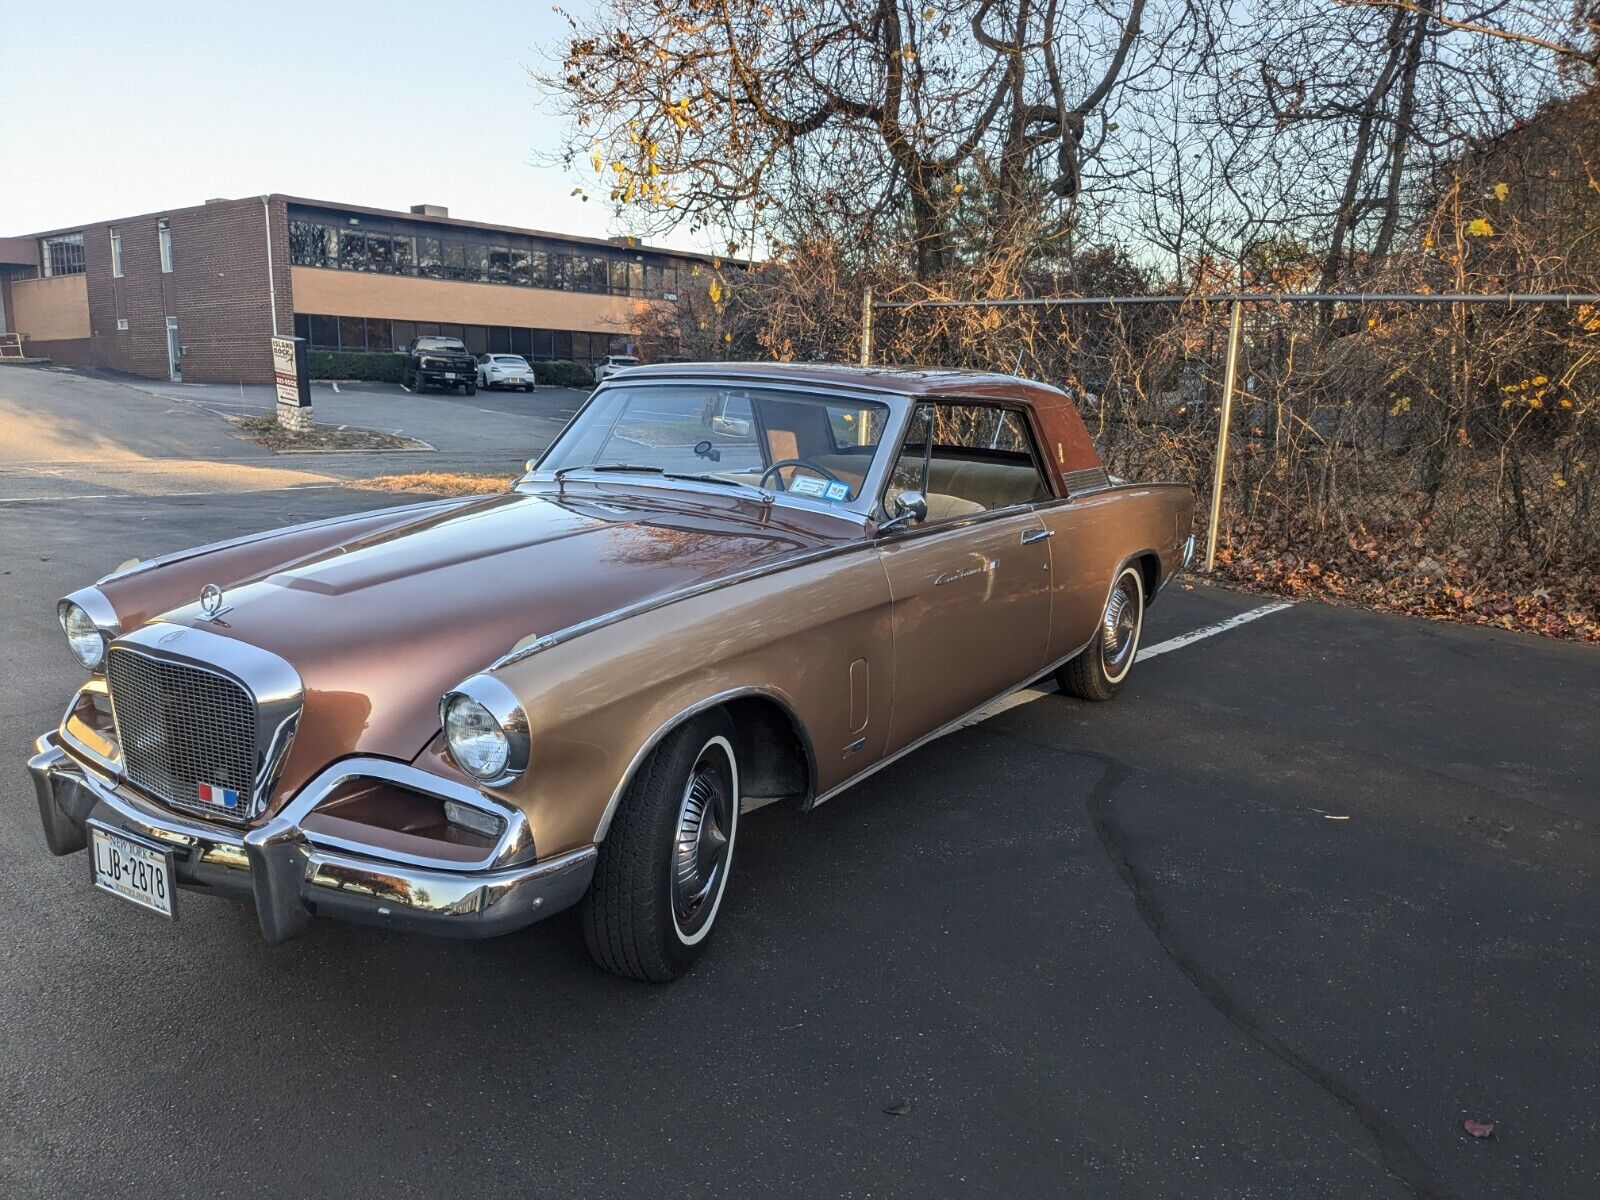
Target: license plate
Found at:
x=132, y=868
x=449, y=374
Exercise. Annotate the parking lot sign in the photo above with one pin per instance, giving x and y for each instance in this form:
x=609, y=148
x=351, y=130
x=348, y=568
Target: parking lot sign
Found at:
x=292, y=375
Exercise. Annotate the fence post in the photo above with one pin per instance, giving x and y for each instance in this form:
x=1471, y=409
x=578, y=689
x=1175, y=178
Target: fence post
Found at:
x=1230, y=376
x=866, y=327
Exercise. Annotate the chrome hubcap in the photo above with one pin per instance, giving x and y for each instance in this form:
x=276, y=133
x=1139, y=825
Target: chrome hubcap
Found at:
x=1120, y=627
x=700, y=850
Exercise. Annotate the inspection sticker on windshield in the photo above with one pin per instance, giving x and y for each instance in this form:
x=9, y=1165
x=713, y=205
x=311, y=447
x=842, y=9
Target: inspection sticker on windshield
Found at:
x=806, y=485
x=838, y=492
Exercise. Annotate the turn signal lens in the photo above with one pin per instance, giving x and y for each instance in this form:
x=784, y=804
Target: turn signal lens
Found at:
x=82, y=636
x=475, y=819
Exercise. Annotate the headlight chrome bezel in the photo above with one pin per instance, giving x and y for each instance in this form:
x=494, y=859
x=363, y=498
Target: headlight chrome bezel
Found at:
x=501, y=706
x=98, y=613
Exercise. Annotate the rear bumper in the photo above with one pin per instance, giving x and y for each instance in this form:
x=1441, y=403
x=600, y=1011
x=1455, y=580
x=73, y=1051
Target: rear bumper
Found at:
x=291, y=880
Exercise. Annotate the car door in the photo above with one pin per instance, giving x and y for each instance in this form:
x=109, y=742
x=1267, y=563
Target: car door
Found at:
x=971, y=585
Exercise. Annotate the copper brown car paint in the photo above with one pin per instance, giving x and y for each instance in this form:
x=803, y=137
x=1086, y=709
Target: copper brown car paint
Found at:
x=636, y=601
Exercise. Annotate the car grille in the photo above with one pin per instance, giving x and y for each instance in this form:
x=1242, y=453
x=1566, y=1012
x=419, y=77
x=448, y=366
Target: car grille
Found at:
x=182, y=726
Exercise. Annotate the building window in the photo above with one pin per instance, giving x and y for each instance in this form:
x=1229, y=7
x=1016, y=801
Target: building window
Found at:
x=122, y=324
x=62, y=255
x=164, y=236
x=324, y=333
x=116, y=255
x=311, y=245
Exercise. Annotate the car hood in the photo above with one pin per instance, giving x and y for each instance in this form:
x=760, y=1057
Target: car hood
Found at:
x=381, y=626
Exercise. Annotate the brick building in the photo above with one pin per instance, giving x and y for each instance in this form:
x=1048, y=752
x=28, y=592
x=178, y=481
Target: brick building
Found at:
x=195, y=293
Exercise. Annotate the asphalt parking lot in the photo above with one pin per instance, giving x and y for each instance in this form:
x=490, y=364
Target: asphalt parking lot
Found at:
x=1312, y=891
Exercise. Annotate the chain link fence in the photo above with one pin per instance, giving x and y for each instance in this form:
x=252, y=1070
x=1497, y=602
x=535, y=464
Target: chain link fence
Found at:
x=1425, y=453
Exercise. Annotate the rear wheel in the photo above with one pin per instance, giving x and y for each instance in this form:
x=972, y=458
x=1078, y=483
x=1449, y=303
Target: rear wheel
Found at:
x=665, y=862
x=1098, y=672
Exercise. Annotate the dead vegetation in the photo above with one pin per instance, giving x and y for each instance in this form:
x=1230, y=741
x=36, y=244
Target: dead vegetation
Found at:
x=437, y=483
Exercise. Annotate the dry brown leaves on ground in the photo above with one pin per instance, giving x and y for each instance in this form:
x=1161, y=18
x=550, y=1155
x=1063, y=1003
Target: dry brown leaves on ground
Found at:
x=437, y=483
x=1556, y=603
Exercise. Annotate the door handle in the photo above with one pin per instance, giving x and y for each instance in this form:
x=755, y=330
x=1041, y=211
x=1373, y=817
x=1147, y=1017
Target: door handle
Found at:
x=1030, y=536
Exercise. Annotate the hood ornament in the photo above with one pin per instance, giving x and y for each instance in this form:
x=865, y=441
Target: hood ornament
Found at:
x=211, y=601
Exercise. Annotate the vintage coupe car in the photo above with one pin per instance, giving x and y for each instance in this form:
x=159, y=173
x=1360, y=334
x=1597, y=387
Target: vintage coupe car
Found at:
x=722, y=586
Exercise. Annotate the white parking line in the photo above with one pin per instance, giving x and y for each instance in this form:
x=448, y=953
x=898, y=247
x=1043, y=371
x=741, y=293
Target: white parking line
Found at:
x=1029, y=695
x=1205, y=631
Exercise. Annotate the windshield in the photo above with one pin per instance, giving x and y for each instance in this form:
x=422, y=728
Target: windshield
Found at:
x=439, y=343
x=803, y=445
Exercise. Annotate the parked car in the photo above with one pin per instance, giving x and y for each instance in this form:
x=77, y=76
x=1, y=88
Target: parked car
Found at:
x=439, y=362
x=505, y=371
x=722, y=586
x=612, y=364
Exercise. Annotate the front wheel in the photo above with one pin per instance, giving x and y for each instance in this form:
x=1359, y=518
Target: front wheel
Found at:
x=1097, y=673
x=472, y=389
x=664, y=865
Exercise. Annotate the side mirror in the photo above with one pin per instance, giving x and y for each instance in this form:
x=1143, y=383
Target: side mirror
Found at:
x=910, y=508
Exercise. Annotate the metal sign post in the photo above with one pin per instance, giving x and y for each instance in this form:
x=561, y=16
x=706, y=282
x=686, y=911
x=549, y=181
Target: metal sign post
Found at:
x=291, y=372
x=866, y=328
x=1230, y=376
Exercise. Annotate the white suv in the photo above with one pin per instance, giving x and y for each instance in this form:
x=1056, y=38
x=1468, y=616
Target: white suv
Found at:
x=613, y=364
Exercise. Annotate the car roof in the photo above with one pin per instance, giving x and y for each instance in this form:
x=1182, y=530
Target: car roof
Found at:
x=906, y=381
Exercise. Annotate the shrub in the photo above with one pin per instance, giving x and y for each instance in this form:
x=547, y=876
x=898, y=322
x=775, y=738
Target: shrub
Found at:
x=561, y=373
x=352, y=364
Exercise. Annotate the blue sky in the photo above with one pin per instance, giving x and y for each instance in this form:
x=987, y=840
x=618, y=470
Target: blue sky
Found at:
x=111, y=109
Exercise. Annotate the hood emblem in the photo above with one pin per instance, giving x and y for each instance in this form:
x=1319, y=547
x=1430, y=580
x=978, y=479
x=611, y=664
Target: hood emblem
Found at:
x=211, y=604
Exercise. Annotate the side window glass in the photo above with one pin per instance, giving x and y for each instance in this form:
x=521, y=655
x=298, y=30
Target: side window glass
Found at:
x=969, y=458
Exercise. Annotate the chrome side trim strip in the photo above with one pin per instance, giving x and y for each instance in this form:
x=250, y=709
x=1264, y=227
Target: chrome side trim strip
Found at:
x=556, y=638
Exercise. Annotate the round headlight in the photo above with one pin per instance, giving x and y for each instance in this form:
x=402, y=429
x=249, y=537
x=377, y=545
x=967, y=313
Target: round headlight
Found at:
x=476, y=740
x=82, y=635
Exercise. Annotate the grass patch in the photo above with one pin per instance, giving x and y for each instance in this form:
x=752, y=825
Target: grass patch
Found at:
x=437, y=483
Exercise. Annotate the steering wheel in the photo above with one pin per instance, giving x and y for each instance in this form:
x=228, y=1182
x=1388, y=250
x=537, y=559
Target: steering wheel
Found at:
x=797, y=462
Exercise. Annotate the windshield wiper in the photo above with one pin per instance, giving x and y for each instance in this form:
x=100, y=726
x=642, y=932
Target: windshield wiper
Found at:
x=562, y=472
x=717, y=479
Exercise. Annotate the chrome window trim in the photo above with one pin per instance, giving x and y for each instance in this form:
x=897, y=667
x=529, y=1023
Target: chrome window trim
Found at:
x=271, y=682
x=514, y=846
x=506, y=709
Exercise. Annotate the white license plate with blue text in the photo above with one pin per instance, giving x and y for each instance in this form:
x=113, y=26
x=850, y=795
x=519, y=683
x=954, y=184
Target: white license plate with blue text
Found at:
x=132, y=868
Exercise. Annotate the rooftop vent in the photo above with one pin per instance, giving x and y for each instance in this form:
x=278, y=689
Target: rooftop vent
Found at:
x=430, y=210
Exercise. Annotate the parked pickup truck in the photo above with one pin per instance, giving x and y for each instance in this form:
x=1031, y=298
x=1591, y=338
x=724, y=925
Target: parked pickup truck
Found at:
x=439, y=362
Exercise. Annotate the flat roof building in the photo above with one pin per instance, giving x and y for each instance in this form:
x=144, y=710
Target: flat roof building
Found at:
x=195, y=293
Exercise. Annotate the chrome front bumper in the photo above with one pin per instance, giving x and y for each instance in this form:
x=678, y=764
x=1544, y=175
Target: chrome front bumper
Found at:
x=290, y=879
